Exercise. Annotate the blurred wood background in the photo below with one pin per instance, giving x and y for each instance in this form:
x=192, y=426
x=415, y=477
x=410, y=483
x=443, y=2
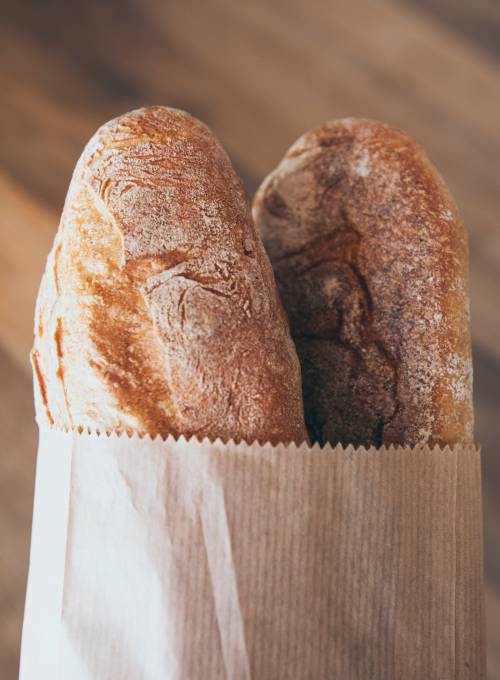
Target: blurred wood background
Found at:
x=259, y=73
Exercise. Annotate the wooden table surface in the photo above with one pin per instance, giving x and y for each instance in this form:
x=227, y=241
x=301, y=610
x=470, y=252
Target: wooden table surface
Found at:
x=259, y=73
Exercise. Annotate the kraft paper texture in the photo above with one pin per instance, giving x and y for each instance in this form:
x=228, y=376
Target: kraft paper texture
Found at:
x=163, y=560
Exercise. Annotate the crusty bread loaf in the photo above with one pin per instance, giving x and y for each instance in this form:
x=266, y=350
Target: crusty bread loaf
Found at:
x=158, y=311
x=371, y=261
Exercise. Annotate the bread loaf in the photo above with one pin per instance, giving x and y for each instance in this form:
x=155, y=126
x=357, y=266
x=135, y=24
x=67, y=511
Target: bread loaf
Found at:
x=158, y=311
x=371, y=260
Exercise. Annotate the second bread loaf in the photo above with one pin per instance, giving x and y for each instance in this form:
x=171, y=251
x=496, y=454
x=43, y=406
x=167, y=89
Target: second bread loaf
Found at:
x=371, y=260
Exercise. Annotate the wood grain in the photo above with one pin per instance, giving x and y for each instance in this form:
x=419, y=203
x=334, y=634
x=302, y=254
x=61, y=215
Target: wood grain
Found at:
x=16, y=502
x=259, y=73
x=478, y=21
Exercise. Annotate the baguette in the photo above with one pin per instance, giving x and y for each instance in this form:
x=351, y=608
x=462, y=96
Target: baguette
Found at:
x=371, y=260
x=158, y=311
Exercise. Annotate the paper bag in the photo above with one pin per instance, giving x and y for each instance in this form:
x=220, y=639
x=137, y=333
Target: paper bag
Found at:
x=163, y=560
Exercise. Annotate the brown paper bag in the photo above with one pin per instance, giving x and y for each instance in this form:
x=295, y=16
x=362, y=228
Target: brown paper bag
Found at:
x=155, y=560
